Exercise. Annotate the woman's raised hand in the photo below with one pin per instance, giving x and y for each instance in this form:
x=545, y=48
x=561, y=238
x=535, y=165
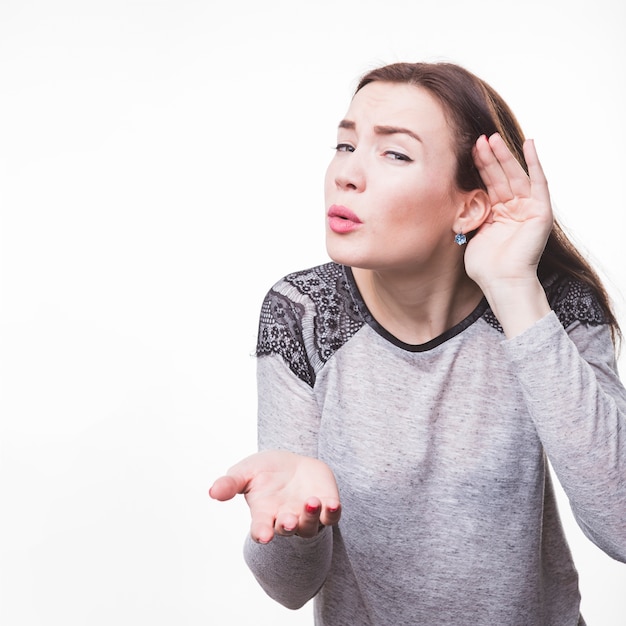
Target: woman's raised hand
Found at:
x=288, y=494
x=509, y=244
x=503, y=256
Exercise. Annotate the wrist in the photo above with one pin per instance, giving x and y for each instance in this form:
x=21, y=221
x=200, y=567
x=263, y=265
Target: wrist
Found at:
x=517, y=304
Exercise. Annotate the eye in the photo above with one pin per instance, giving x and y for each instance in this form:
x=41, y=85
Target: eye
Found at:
x=397, y=156
x=344, y=147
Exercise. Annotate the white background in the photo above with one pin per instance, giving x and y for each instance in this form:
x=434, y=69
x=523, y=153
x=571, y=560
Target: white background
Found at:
x=161, y=165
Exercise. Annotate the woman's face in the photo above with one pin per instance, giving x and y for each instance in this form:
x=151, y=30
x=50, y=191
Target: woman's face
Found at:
x=391, y=199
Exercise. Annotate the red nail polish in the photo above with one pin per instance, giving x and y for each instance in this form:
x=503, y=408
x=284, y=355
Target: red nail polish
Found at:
x=312, y=509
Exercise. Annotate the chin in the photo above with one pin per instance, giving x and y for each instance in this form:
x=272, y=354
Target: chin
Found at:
x=339, y=252
x=351, y=260
x=345, y=252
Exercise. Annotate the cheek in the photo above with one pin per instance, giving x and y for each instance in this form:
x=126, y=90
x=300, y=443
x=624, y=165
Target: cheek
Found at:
x=329, y=181
x=407, y=206
x=422, y=211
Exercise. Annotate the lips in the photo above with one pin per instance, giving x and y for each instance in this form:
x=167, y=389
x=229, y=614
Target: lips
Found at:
x=342, y=219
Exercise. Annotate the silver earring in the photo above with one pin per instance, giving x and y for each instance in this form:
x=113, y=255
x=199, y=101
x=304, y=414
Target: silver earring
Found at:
x=461, y=239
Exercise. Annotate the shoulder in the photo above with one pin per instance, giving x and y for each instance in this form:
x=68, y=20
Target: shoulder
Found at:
x=314, y=290
x=574, y=301
x=307, y=316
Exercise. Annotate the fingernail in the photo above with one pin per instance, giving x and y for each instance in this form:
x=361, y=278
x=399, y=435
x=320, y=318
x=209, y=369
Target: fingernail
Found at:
x=312, y=509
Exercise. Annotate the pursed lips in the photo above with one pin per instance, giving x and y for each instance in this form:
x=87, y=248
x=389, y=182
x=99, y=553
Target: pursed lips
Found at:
x=344, y=213
x=341, y=219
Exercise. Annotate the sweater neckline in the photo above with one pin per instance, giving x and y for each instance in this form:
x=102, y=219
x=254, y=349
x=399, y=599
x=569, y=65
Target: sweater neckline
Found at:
x=465, y=323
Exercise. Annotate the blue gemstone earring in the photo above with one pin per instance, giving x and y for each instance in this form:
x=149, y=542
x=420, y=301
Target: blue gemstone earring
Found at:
x=461, y=239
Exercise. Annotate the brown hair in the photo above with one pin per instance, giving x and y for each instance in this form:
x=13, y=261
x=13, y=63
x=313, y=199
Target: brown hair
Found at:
x=473, y=109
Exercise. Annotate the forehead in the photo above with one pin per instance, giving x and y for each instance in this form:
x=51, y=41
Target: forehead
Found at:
x=397, y=103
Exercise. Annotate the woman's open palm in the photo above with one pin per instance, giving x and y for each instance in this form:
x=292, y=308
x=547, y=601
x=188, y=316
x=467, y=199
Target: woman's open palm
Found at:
x=287, y=493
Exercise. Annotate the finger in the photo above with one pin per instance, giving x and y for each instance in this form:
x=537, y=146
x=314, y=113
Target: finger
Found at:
x=286, y=524
x=517, y=178
x=227, y=487
x=236, y=480
x=331, y=513
x=501, y=172
x=262, y=526
x=538, y=182
x=491, y=171
x=310, y=518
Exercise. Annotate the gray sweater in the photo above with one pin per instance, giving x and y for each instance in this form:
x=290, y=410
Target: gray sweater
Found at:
x=439, y=451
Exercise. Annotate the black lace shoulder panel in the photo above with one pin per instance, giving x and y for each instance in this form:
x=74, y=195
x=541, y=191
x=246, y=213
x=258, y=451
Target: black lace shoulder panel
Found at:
x=314, y=309
x=571, y=300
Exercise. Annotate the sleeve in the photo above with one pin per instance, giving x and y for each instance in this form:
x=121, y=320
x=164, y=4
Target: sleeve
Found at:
x=291, y=570
x=578, y=405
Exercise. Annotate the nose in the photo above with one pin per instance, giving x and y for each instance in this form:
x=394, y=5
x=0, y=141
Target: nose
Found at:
x=349, y=173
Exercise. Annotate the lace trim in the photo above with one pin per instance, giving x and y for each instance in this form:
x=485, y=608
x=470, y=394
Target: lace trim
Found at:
x=280, y=332
x=572, y=301
x=335, y=318
x=318, y=313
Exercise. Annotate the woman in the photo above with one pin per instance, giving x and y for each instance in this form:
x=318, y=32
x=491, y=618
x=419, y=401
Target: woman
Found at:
x=417, y=385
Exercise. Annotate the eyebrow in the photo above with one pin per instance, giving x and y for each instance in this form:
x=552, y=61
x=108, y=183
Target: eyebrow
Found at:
x=382, y=130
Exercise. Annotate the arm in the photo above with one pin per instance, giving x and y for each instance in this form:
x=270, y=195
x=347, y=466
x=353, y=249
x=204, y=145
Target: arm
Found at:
x=568, y=378
x=290, y=569
x=578, y=405
x=288, y=490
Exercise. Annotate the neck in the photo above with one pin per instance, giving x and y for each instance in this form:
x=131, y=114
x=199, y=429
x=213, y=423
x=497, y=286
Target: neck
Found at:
x=417, y=309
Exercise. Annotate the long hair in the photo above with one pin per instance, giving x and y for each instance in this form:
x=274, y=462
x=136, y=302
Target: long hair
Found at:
x=474, y=108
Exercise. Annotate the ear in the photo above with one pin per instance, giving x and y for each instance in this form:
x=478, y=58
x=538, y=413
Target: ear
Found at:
x=473, y=212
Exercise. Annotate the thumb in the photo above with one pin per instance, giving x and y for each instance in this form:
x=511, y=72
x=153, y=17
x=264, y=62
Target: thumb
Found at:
x=227, y=487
